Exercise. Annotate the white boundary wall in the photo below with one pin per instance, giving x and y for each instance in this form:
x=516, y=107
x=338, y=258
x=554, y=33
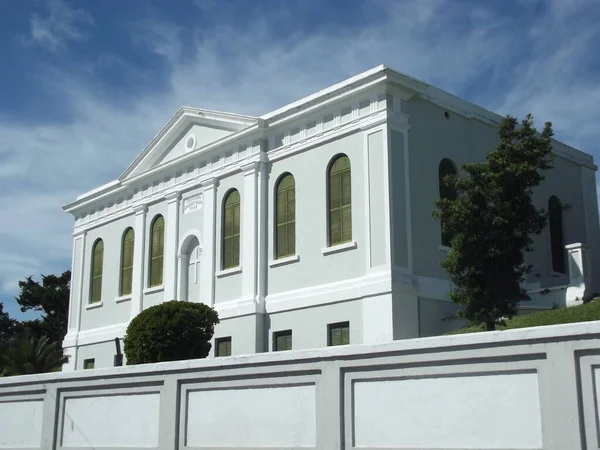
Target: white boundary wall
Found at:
x=522, y=389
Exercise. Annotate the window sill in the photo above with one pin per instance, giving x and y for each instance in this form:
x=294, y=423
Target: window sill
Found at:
x=153, y=289
x=443, y=248
x=123, y=298
x=284, y=261
x=554, y=274
x=93, y=305
x=339, y=248
x=228, y=272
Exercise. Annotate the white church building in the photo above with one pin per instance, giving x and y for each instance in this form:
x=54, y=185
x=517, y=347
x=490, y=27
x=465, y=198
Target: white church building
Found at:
x=308, y=226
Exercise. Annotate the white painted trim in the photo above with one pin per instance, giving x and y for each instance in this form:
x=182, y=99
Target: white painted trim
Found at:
x=339, y=248
x=443, y=248
x=93, y=305
x=153, y=289
x=228, y=272
x=552, y=273
x=409, y=237
x=375, y=283
x=123, y=298
x=387, y=177
x=367, y=202
x=284, y=261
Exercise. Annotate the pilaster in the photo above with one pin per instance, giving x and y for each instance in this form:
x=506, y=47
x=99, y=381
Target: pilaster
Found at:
x=183, y=261
x=250, y=235
x=171, y=238
x=139, y=244
x=75, y=299
x=579, y=283
x=209, y=205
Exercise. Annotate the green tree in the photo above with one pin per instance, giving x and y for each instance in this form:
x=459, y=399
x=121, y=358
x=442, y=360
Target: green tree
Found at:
x=7, y=326
x=492, y=220
x=171, y=331
x=51, y=298
x=30, y=354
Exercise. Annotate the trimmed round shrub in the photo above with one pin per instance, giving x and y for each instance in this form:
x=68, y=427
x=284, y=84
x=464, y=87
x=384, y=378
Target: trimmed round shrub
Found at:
x=171, y=331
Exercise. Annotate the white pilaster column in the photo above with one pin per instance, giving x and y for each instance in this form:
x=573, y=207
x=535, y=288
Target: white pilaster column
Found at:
x=249, y=245
x=183, y=261
x=71, y=339
x=578, y=260
x=263, y=231
x=139, y=245
x=209, y=206
x=171, y=239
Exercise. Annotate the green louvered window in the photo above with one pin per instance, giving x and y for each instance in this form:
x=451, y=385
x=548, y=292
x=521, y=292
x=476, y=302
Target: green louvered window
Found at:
x=557, y=244
x=97, y=263
x=231, y=230
x=445, y=169
x=127, y=261
x=282, y=340
x=285, y=213
x=157, y=250
x=338, y=333
x=340, y=201
x=223, y=346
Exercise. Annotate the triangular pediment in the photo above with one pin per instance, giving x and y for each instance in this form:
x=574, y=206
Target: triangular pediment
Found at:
x=189, y=130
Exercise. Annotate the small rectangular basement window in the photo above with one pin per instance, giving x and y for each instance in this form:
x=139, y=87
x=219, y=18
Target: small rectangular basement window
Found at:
x=282, y=340
x=223, y=346
x=89, y=363
x=338, y=333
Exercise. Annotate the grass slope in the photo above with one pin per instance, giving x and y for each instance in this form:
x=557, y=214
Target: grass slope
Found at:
x=582, y=313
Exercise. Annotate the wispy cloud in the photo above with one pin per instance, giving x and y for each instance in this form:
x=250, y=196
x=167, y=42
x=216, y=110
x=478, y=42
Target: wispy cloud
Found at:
x=539, y=64
x=61, y=23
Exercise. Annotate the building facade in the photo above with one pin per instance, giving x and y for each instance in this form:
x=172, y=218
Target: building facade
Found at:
x=308, y=226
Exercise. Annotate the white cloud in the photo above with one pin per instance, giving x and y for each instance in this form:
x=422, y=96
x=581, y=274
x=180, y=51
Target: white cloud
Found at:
x=61, y=24
x=252, y=70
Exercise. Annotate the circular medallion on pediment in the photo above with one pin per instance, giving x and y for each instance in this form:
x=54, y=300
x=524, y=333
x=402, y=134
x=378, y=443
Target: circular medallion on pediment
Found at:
x=190, y=142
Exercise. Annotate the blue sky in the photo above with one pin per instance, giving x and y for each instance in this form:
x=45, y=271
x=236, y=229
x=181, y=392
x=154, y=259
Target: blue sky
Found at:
x=84, y=85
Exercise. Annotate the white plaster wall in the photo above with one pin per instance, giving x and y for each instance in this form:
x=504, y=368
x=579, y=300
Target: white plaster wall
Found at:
x=436, y=316
x=21, y=422
x=287, y=418
x=310, y=172
x=431, y=138
x=516, y=389
x=101, y=352
x=450, y=411
x=246, y=332
x=110, y=312
x=122, y=420
x=309, y=325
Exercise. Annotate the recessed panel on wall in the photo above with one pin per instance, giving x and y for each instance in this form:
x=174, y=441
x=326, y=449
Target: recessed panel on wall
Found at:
x=21, y=423
x=98, y=421
x=466, y=411
x=255, y=417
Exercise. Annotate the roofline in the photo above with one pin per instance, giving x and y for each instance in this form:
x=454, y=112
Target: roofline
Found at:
x=234, y=118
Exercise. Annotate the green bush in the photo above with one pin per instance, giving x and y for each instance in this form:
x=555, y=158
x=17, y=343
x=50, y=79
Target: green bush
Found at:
x=170, y=331
x=582, y=313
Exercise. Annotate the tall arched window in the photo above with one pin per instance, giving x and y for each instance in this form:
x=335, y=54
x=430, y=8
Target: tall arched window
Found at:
x=157, y=249
x=97, y=263
x=446, y=168
x=285, y=216
x=557, y=245
x=127, y=262
x=340, y=200
x=231, y=230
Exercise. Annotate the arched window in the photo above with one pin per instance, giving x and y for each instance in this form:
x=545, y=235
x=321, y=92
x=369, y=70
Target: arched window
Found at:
x=340, y=200
x=127, y=262
x=157, y=250
x=557, y=245
x=446, y=168
x=97, y=263
x=231, y=230
x=285, y=216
